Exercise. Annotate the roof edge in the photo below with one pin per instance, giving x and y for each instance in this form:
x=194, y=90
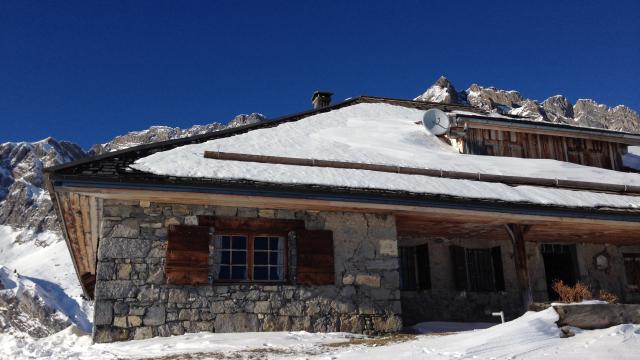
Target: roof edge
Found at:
x=254, y=188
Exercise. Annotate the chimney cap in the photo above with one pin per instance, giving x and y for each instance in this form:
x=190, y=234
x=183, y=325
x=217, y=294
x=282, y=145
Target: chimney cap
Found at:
x=321, y=93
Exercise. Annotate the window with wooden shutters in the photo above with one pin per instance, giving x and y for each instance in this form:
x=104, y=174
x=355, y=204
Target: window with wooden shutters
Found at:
x=414, y=267
x=250, y=257
x=477, y=270
x=250, y=249
x=187, y=255
x=315, y=265
x=632, y=270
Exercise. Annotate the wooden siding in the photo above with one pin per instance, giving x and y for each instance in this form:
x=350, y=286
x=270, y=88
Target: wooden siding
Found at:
x=82, y=217
x=590, y=152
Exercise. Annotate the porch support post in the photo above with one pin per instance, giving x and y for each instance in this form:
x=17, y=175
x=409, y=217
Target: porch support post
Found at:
x=516, y=233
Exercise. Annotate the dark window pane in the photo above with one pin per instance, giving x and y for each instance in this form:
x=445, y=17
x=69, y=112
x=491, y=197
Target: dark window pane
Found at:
x=261, y=243
x=226, y=242
x=480, y=267
x=273, y=243
x=274, y=273
x=260, y=258
x=239, y=257
x=632, y=270
x=260, y=273
x=422, y=267
x=239, y=242
x=225, y=256
x=238, y=272
x=224, y=273
x=273, y=258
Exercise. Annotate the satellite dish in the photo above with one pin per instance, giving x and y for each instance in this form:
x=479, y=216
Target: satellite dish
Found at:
x=436, y=121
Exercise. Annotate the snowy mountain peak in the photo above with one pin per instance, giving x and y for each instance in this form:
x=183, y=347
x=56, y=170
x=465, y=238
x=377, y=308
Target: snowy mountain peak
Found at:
x=23, y=200
x=557, y=108
x=442, y=91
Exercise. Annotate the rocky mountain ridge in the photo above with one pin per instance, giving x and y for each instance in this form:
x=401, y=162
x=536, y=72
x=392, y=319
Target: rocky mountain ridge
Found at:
x=161, y=133
x=557, y=108
x=24, y=200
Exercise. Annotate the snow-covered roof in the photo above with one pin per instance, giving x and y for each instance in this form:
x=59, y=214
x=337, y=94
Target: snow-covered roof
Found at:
x=381, y=133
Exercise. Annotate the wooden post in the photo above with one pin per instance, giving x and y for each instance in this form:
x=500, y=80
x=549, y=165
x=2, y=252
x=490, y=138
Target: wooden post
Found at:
x=516, y=233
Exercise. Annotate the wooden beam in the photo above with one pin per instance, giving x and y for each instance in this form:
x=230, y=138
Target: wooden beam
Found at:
x=86, y=227
x=475, y=176
x=516, y=233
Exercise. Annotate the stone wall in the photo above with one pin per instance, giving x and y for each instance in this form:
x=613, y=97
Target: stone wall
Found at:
x=612, y=278
x=443, y=301
x=133, y=301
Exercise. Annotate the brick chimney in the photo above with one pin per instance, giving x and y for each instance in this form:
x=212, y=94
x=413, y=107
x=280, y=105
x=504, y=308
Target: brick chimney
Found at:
x=321, y=99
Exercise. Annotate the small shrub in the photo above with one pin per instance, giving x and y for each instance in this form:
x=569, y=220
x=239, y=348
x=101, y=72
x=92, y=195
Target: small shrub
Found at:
x=607, y=296
x=570, y=294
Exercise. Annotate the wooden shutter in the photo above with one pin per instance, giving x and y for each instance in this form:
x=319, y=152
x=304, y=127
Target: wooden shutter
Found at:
x=422, y=263
x=498, y=273
x=459, y=262
x=315, y=257
x=187, y=255
x=407, y=267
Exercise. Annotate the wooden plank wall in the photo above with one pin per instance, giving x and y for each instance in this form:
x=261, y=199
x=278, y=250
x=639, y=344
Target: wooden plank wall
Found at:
x=81, y=217
x=582, y=151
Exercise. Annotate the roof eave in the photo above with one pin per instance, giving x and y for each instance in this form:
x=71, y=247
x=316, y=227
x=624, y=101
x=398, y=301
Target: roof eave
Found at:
x=252, y=188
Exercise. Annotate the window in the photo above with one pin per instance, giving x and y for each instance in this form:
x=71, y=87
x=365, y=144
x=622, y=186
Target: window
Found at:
x=268, y=258
x=477, y=269
x=414, y=267
x=249, y=258
x=632, y=270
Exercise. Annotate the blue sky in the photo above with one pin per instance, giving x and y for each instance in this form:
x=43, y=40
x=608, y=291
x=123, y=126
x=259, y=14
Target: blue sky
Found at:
x=86, y=71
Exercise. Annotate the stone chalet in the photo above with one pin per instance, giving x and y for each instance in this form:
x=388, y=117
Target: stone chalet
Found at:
x=349, y=217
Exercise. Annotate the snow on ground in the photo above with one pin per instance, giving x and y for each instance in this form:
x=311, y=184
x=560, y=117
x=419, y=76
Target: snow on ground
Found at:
x=383, y=134
x=532, y=336
x=43, y=264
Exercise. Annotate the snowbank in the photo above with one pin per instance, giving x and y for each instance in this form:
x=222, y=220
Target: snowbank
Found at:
x=43, y=266
x=532, y=336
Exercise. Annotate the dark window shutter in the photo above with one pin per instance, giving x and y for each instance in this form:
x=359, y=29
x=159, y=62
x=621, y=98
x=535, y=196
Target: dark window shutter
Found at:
x=187, y=255
x=424, y=271
x=407, y=267
x=459, y=263
x=315, y=257
x=498, y=273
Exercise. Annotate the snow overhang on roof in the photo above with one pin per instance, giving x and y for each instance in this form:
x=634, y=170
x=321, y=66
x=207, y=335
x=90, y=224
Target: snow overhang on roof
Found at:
x=364, y=130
